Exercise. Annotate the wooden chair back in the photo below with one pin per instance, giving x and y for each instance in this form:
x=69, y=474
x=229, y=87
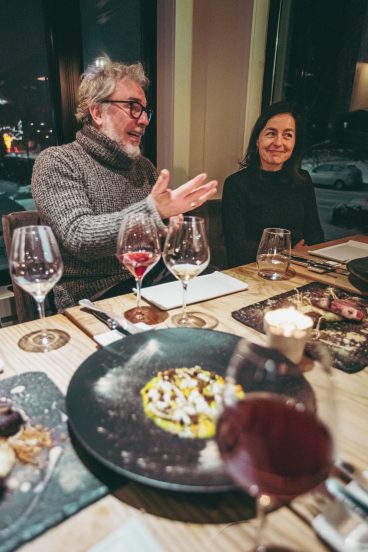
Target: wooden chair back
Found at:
x=24, y=304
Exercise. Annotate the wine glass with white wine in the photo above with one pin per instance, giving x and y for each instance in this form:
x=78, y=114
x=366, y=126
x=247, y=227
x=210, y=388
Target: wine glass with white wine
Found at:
x=36, y=266
x=186, y=254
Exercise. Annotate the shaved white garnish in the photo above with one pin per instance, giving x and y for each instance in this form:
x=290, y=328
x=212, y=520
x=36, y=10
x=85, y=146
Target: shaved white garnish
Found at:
x=7, y=459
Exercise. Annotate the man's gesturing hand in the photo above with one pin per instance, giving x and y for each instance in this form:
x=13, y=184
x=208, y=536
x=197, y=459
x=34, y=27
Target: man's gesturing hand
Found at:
x=188, y=196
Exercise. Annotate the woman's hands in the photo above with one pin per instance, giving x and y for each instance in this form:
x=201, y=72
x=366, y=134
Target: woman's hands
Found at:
x=188, y=196
x=301, y=247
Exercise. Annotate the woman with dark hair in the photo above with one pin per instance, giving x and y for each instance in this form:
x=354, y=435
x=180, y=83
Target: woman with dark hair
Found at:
x=270, y=189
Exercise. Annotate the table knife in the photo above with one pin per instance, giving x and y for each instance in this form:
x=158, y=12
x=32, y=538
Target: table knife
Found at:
x=342, y=493
x=106, y=319
x=357, y=486
x=312, y=265
x=126, y=325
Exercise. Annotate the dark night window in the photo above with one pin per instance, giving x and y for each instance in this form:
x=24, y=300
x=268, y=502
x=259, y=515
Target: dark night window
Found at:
x=26, y=123
x=317, y=56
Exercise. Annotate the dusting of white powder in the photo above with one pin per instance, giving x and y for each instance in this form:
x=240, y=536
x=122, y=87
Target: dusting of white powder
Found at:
x=209, y=457
x=117, y=381
x=25, y=487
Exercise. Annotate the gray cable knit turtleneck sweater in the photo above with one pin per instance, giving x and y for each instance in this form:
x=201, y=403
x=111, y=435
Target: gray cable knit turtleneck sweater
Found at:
x=83, y=190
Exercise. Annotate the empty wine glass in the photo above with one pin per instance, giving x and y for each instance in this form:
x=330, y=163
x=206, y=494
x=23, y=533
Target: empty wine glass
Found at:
x=273, y=255
x=138, y=249
x=276, y=440
x=186, y=254
x=36, y=266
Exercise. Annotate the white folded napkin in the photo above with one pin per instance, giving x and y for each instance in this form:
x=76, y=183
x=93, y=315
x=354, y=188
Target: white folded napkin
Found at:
x=342, y=529
x=107, y=338
x=169, y=296
x=342, y=252
x=132, y=537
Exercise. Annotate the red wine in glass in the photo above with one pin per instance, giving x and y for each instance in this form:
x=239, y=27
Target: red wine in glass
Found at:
x=276, y=440
x=138, y=249
x=138, y=262
x=272, y=446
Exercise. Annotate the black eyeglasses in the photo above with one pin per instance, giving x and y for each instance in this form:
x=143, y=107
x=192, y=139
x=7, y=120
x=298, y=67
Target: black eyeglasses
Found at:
x=135, y=108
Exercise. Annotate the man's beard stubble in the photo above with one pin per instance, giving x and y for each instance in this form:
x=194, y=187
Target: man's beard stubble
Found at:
x=131, y=151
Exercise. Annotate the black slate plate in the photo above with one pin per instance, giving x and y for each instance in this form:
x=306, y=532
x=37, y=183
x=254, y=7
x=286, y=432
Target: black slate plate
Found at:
x=359, y=268
x=347, y=340
x=106, y=415
x=48, y=493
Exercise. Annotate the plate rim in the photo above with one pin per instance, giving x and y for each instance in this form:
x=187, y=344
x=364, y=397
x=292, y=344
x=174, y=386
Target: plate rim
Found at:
x=352, y=270
x=155, y=483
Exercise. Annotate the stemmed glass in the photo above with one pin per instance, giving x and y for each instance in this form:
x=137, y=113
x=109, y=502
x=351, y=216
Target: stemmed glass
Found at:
x=276, y=440
x=138, y=249
x=186, y=254
x=36, y=266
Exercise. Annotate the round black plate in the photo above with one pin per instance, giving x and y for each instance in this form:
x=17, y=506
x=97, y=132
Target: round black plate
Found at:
x=359, y=268
x=106, y=415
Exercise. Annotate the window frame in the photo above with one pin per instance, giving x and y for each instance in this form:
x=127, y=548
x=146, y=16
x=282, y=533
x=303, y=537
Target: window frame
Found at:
x=63, y=32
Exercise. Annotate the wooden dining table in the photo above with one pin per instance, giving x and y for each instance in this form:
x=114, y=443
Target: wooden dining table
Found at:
x=166, y=520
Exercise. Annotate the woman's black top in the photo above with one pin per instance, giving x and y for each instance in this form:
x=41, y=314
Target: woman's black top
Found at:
x=254, y=199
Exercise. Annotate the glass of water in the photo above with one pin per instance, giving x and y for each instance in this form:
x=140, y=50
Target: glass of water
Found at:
x=273, y=255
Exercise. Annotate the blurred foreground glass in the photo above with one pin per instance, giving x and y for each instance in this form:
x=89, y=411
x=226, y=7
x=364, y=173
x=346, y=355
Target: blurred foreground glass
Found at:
x=276, y=439
x=36, y=266
x=138, y=249
x=273, y=255
x=186, y=254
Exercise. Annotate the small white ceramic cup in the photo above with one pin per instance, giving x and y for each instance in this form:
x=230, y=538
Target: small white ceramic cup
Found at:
x=287, y=331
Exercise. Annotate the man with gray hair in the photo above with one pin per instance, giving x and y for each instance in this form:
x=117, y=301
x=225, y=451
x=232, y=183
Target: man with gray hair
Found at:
x=84, y=189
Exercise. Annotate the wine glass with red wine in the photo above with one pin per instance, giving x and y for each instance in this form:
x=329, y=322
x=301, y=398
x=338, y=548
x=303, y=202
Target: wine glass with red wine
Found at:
x=138, y=249
x=276, y=438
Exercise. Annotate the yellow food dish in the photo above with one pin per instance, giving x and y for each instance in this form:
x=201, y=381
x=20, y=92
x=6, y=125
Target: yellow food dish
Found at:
x=185, y=401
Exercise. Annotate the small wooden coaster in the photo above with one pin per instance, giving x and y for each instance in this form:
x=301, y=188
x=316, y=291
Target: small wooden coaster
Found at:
x=147, y=315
